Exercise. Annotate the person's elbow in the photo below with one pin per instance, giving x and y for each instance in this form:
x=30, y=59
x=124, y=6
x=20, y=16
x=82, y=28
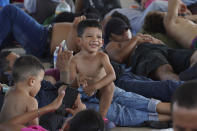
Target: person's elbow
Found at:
x=113, y=75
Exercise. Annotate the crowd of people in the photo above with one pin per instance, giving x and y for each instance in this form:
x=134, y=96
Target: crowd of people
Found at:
x=122, y=77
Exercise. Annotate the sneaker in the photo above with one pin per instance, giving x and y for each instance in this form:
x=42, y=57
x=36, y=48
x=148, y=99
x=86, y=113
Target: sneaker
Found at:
x=108, y=124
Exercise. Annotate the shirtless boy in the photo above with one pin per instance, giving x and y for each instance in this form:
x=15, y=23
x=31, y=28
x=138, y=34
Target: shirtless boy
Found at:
x=28, y=73
x=183, y=30
x=91, y=67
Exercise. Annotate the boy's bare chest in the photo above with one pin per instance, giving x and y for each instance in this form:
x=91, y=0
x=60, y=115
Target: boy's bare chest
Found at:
x=91, y=68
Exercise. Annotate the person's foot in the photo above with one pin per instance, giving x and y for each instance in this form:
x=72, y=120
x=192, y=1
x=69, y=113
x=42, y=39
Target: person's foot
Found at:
x=108, y=124
x=189, y=74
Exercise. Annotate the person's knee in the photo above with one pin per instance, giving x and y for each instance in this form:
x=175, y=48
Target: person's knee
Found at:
x=108, y=89
x=162, y=70
x=9, y=7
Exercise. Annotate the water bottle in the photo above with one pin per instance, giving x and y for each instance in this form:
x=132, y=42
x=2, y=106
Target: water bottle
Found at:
x=55, y=56
x=5, y=88
x=64, y=46
x=63, y=6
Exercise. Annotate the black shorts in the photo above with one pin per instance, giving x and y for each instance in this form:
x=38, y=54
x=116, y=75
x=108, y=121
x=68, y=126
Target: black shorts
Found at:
x=148, y=57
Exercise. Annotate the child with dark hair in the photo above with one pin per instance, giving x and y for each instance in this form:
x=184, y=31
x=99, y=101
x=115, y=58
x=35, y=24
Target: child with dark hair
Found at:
x=184, y=107
x=91, y=67
x=86, y=120
x=28, y=72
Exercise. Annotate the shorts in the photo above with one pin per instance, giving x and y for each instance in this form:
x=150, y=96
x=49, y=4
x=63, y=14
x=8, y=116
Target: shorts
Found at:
x=148, y=57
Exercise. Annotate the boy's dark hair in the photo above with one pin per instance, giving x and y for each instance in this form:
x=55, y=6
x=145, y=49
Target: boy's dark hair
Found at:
x=116, y=26
x=26, y=66
x=87, y=120
x=185, y=96
x=4, y=63
x=92, y=13
x=65, y=17
x=86, y=24
x=154, y=23
x=116, y=14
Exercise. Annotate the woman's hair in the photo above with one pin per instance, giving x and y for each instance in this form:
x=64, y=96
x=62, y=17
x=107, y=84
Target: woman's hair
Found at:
x=87, y=120
x=154, y=23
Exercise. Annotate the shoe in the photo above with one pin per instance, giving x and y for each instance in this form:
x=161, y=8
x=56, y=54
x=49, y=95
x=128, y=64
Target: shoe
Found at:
x=108, y=124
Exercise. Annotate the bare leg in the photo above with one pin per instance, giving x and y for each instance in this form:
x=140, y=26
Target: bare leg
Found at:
x=164, y=117
x=106, y=95
x=166, y=72
x=163, y=108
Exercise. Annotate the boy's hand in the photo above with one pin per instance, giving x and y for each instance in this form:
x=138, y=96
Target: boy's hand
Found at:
x=58, y=101
x=63, y=59
x=82, y=80
x=77, y=107
x=77, y=20
x=89, y=90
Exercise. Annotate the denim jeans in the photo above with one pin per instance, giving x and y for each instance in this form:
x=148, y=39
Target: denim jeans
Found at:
x=161, y=90
x=31, y=35
x=128, y=109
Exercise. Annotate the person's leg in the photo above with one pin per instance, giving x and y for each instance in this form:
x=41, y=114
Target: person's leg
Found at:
x=161, y=90
x=165, y=72
x=106, y=95
x=31, y=35
x=185, y=66
x=130, y=109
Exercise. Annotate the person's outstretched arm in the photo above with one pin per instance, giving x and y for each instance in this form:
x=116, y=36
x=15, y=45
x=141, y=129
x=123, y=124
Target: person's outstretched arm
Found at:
x=173, y=8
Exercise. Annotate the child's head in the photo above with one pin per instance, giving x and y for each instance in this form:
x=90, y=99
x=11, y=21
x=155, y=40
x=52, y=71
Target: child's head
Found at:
x=86, y=120
x=118, y=30
x=88, y=23
x=28, y=69
x=184, y=107
x=90, y=35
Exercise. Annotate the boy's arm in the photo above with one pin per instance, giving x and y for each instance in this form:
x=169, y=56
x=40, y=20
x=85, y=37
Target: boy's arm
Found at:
x=33, y=105
x=120, y=52
x=73, y=73
x=173, y=7
x=110, y=73
x=63, y=64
